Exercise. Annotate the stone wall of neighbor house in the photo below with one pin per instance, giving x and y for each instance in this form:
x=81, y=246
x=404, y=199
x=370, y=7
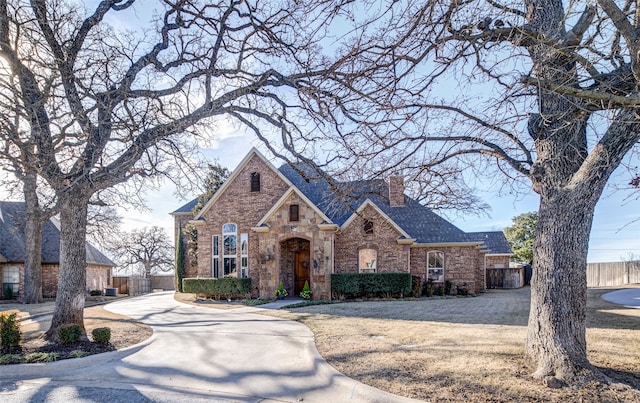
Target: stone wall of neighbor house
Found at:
x=238, y=205
x=278, y=246
x=391, y=257
x=463, y=266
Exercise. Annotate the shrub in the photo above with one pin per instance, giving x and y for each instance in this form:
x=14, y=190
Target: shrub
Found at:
x=281, y=291
x=41, y=357
x=95, y=293
x=427, y=288
x=69, y=334
x=10, y=359
x=416, y=286
x=78, y=354
x=357, y=285
x=10, y=334
x=101, y=335
x=447, y=287
x=306, y=291
x=8, y=293
x=218, y=287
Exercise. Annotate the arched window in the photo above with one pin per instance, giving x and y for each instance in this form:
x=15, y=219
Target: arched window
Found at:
x=229, y=250
x=435, y=266
x=367, y=260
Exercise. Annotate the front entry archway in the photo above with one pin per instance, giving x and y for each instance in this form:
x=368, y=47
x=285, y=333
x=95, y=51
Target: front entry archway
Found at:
x=295, y=264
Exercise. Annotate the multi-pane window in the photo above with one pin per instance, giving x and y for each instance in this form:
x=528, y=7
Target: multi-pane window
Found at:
x=215, y=269
x=368, y=227
x=367, y=260
x=229, y=250
x=294, y=212
x=255, y=182
x=11, y=279
x=435, y=266
x=244, y=255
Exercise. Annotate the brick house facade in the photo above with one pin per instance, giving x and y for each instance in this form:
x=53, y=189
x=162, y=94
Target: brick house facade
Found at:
x=98, y=268
x=280, y=225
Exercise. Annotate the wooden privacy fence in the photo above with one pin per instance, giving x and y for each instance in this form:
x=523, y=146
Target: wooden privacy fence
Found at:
x=505, y=278
x=613, y=273
x=132, y=285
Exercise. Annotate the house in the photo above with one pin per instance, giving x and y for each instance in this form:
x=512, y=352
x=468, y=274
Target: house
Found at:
x=12, y=221
x=279, y=225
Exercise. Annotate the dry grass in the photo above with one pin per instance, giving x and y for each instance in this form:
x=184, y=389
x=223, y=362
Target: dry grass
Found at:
x=467, y=349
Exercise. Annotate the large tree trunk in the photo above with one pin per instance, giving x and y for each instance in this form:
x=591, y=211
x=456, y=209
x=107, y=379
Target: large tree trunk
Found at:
x=70, y=297
x=556, y=340
x=33, y=241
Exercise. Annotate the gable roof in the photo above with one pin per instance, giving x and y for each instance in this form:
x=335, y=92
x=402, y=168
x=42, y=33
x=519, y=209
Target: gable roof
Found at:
x=186, y=208
x=495, y=241
x=12, y=242
x=253, y=152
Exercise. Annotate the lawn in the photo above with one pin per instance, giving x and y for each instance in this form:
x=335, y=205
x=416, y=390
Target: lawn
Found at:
x=467, y=349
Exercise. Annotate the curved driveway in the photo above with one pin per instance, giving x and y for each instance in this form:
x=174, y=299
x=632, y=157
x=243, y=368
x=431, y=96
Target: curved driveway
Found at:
x=195, y=354
x=629, y=297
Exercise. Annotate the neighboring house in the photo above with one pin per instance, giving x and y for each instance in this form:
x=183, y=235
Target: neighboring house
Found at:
x=276, y=225
x=12, y=220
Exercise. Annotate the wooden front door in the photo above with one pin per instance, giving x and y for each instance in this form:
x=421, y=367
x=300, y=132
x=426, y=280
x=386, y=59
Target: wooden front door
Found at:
x=302, y=270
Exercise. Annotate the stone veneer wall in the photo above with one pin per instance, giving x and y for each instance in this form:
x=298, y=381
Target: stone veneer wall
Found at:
x=277, y=245
x=463, y=266
x=238, y=205
x=391, y=257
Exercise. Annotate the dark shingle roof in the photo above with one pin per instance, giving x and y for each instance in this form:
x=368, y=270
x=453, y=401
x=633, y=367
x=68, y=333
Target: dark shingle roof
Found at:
x=416, y=220
x=186, y=208
x=495, y=241
x=12, y=243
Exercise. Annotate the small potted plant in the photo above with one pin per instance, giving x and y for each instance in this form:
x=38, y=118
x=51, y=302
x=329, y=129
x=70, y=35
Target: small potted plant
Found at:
x=306, y=291
x=281, y=292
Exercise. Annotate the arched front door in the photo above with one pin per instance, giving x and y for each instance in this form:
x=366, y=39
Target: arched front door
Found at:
x=301, y=270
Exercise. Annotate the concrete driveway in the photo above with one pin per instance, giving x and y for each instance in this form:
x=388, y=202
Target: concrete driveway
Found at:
x=195, y=354
x=629, y=297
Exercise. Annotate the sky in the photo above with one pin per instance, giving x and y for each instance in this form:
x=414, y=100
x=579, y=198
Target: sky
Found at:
x=615, y=233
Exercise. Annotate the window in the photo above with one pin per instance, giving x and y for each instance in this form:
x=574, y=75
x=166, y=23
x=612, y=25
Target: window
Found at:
x=368, y=227
x=435, y=266
x=244, y=255
x=294, y=212
x=11, y=279
x=255, y=182
x=229, y=250
x=215, y=269
x=367, y=260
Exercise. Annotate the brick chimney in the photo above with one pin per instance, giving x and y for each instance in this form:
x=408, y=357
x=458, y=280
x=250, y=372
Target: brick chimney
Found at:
x=396, y=191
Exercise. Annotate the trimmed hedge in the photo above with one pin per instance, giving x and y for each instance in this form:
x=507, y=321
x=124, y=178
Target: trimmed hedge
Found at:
x=218, y=287
x=377, y=285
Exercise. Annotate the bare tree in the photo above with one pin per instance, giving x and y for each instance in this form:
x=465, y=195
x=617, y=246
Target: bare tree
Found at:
x=95, y=107
x=544, y=92
x=147, y=250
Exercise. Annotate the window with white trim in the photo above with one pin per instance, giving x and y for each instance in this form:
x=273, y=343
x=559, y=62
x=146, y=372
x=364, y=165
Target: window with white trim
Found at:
x=11, y=279
x=435, y=266
x=367, y=260
x=215, y=247
x=229, y=250
x=244, y=255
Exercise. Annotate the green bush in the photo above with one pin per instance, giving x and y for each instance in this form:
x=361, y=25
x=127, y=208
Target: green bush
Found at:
x=6, y=359
x=8, y=293
x=10, y=334
x=69, y=334
x=41, y=357
x=416, y=286
x=101, y=335
x=218, y=287
x=78, y=354
x=306, y=291
x=377, y=285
